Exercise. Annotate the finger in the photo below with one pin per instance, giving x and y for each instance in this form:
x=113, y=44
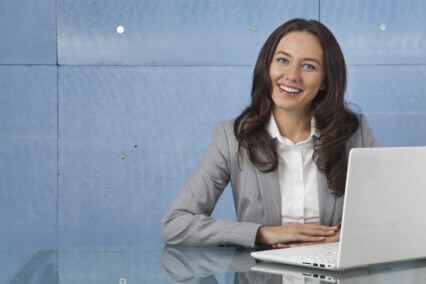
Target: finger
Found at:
x=316, y=232
x=333, y=239
x=281, y=246
x=306, y=238
x=293, y=245
x=293, y=238
x=320, y=227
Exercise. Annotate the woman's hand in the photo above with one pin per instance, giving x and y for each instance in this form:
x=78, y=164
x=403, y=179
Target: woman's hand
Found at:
x=294, y=233
x=331, y=239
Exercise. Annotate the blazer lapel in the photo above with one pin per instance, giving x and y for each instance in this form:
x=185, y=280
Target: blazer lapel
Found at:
x=327, y=201
x=270, y=196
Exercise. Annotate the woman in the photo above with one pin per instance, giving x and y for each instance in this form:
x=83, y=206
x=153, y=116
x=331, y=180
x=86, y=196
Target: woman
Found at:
x=285, y=155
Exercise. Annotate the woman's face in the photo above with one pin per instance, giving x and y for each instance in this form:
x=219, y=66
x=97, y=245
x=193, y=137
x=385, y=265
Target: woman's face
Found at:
x=297, y=72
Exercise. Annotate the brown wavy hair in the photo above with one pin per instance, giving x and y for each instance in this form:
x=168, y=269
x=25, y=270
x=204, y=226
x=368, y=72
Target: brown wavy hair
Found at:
x=335, y=122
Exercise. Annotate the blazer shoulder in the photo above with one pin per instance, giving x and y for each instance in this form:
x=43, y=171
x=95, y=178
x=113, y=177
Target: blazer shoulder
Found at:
x=224, y=130
x=227, y=125
x=224, y=139
x=364, y=136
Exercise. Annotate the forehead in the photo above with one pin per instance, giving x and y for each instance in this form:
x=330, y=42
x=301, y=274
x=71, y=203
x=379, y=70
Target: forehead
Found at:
x=301, y=44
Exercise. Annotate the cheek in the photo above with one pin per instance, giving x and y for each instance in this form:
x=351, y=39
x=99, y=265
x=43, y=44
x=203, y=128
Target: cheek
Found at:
x=274, y=72
x=314, y=83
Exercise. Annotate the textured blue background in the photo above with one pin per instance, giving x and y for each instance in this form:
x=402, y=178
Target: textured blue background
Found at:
x=100, y=130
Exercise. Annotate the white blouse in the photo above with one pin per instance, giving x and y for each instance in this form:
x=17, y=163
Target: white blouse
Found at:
x=297, y=177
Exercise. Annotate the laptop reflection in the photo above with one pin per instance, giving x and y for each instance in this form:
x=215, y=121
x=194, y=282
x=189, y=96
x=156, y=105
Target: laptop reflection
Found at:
x=229, y=265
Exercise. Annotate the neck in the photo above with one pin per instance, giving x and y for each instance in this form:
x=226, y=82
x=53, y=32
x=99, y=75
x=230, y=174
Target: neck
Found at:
x=295, y=126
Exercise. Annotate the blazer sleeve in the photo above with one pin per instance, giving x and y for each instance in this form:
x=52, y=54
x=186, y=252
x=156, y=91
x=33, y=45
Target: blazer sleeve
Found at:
x=188, y=222
x=367, y=135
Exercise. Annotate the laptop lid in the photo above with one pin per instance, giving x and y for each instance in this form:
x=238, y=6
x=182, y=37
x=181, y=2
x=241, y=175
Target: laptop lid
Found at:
x=385, y=206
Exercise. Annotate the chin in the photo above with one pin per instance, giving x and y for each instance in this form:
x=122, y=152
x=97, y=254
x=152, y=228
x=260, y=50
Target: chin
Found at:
x=286, y=105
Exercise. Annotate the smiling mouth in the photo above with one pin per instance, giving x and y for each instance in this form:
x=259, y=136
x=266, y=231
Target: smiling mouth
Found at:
x=289, y=91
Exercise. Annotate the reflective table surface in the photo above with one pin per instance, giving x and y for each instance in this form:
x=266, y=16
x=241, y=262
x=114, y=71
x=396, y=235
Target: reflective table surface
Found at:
x=177, y=264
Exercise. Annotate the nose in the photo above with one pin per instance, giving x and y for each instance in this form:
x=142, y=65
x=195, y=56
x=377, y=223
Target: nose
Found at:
x=292, y=74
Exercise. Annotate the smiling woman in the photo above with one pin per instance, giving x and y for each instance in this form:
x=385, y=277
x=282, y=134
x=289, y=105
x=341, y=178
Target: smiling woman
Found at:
x=285, y=155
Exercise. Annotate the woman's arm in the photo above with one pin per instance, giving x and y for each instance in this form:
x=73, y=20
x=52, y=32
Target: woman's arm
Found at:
x=188, y=221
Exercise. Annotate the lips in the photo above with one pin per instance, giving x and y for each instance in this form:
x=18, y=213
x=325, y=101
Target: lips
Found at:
x=289, y=90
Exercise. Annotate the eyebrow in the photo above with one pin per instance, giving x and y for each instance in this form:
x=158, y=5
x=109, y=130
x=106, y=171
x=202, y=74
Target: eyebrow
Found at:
x=306, y=58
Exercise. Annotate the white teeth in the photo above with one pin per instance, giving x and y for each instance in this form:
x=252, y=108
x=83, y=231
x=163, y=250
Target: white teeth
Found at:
x=290, y=90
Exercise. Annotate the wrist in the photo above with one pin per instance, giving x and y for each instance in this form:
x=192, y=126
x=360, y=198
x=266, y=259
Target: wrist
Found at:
x=262, y=236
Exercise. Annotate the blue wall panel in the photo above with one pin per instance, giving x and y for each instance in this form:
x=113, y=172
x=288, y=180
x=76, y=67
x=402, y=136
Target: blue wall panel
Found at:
x=378, y=32
x=394, y=100
x=28, y=157
x=28, y=101
x=159, y=121
x=388, y=88
x=171, y=32
x=399, y=129
x=28, y=32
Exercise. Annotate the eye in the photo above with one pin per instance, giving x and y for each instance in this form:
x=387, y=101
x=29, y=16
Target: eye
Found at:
x=282, y=60
x=308, y=67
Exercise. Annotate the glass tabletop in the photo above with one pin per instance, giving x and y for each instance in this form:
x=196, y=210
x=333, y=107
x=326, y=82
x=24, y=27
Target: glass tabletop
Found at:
x=178, y=264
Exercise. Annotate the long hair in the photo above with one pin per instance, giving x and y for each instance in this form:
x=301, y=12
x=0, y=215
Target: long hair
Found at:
x=335, y=122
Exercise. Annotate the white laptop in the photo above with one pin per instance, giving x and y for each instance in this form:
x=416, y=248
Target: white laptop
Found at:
x=384, y=213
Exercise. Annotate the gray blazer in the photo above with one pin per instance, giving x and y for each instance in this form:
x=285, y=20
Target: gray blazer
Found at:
x=257, y=196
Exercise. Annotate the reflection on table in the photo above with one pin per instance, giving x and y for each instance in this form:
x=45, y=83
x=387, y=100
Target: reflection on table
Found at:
x=178, y=264
x=201, y=265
